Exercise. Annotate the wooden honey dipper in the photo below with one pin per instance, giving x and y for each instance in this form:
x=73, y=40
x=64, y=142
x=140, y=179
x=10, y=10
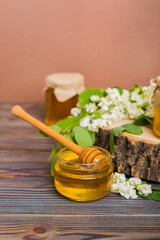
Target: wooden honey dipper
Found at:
x=88, y=155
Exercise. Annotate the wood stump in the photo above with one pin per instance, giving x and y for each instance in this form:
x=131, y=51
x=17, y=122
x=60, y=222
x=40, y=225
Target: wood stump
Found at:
x=134, y=155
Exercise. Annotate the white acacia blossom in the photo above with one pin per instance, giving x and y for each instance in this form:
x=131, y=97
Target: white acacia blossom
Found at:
x=91, y=107
x=84, y=122
x=135, y=181
x=96, y=124
x=75, y=111
x=95, y=98
x=144, y=189
x=128, y=187
x=116, y=106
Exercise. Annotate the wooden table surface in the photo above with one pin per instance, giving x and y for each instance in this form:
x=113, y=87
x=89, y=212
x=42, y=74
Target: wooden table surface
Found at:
x=30, y=207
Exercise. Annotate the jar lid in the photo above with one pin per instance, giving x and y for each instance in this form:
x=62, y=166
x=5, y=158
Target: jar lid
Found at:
x=65, y=85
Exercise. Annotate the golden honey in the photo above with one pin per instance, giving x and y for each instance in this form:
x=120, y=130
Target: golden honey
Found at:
x=62, y=90
x=156, y=122
x=82, y=182
x=55, y=110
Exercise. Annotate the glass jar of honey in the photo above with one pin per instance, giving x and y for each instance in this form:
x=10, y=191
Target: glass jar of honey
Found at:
x=156, y=95
x=156, y=121
x=82, y=182
x=62, y=90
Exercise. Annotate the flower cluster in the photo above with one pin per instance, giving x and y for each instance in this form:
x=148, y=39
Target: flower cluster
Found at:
x=115, y=106
x=129, y=188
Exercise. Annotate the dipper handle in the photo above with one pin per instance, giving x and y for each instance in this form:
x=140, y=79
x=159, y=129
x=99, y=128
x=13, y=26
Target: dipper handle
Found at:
x=19, y=112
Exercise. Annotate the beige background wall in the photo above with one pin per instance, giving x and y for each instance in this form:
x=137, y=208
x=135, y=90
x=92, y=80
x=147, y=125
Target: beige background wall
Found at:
x=111, y=42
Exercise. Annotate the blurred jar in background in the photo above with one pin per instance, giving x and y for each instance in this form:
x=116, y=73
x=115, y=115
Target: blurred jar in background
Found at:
x=156, y=122
x=62, y=90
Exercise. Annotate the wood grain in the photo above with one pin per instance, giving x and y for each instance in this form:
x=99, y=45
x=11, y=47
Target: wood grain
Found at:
x=30, y=207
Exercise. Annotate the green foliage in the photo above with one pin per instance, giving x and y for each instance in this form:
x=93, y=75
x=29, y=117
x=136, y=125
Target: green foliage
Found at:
x=155, y=195
x=53, y=152
x=144, y=182
x=67, y=123
x=84, y=97
x=117, y=131
x=150, y=120
x=131, y=128
x=147, y=196
x=97, y=114
x=103, y=91
x=142, y=120
x=82, y=136
x=120, y=90
x=68, y=136
x=82, y=113
x=135, y=88
x=156, y=189
x=70, y=122
x=55, y=158
x=93, y=136
x=54, y=127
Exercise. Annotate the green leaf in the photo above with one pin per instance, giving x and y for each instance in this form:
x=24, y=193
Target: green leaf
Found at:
x=68, y=136
x=144, y=182
x=104, y=93
x=150, y=120
x=82, y=136
x=55, y=158
x=156, y=195
x=146, y=196
x=53, y=152
x=140, y=120
x=117, y=131
x=156, y=189
x=97, y=114
x=54, y=127
x=67, y=123
x=131, y=128
x=82, y=113
x=84, y=97
x=120, y=90
x=136, y=88
x=93, y=136
x=42, y=134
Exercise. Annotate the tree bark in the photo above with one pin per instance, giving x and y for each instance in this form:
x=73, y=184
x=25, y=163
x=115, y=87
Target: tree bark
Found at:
x=134, y=155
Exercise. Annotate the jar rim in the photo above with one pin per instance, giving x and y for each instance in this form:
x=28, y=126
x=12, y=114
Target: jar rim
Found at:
x=105, y=163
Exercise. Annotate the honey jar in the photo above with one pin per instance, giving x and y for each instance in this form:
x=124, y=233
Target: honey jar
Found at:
x=82, y=182
x=62, y=90
x=156, y=122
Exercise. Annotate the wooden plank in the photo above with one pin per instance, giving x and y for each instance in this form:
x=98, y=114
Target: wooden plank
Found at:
x=78, y=227
x=35, y=199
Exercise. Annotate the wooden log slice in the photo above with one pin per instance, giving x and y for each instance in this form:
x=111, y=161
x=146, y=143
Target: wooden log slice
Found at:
x=134, y=155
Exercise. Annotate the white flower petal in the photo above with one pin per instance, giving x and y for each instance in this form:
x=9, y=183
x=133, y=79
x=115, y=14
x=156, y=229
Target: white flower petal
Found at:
x=145, y=189
x=135, y=181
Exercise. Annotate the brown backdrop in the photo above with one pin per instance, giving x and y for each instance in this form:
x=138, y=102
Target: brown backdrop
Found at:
x=111, y=42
